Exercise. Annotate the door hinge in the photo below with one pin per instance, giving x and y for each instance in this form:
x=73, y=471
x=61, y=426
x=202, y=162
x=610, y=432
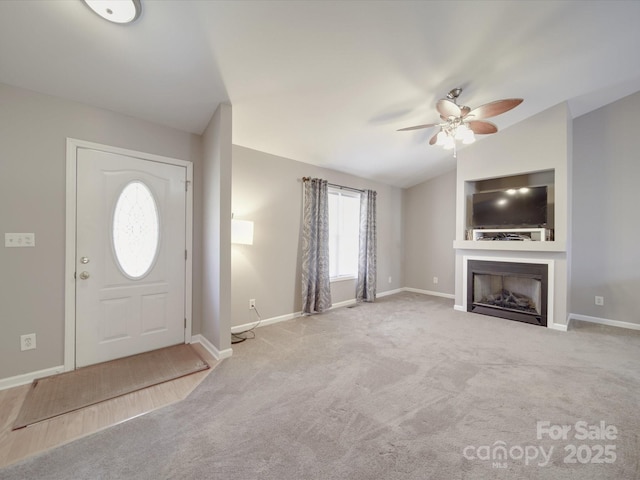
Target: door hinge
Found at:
x=186, y=185
x=185, y=254
x=185, y=323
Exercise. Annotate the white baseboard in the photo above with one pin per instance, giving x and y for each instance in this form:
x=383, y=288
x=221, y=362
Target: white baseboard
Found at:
x=346, y=303
x=29, y=377
x=265, y=322
x=604, y=321
x=210, y=347
x=291, y=316
x=282, y=318
x=390, y=292
x=429, y=292
x=558, y=326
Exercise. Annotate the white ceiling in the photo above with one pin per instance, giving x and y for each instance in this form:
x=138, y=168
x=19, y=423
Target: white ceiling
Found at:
x=327, y=82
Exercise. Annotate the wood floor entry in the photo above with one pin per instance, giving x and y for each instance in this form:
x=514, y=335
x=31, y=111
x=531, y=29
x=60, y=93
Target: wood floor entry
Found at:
x=66, y=392
x=25, y=442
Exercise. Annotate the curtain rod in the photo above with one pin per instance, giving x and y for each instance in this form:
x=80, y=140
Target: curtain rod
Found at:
x=306, y=179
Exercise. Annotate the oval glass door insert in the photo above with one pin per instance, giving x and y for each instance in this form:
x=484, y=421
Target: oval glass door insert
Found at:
x=136, y=230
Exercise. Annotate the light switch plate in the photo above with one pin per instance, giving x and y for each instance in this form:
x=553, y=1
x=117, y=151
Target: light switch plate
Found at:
x=19, y=239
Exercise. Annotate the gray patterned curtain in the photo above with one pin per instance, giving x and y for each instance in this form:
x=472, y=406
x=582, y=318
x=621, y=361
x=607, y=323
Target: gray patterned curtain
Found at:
x=366, y=286
x=316, y=293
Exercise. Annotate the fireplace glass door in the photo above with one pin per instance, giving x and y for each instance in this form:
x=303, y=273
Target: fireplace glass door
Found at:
x=516, y=291
x=512, y=292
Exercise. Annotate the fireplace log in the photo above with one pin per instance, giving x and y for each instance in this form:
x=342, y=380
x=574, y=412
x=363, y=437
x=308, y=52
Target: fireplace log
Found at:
x=508, y=299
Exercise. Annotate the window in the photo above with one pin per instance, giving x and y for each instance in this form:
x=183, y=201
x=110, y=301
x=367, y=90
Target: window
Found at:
x=344, y=228
x=135, y=230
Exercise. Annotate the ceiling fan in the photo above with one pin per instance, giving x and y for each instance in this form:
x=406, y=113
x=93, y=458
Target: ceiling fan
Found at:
x=459, y=122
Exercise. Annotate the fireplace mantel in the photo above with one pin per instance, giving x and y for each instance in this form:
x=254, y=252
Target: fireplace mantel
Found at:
x=513, y=246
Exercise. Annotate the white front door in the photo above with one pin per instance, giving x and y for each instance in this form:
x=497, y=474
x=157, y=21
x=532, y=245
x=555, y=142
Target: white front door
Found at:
x=130, y=255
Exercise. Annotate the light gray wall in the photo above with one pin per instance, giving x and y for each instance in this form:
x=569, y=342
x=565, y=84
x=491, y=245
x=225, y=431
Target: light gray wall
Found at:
x=33, y=133
x=268, y=191
x=216, y=278
x=430, y=228
x=606, y=222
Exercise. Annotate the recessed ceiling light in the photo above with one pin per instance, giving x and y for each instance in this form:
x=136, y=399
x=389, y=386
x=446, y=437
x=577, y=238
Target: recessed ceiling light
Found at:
x=116, y=11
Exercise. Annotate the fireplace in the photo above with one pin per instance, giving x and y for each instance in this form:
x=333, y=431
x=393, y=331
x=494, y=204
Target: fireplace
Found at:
x=511, y=290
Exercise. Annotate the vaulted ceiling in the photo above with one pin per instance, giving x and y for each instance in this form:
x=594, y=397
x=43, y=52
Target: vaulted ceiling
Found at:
x=327, y=82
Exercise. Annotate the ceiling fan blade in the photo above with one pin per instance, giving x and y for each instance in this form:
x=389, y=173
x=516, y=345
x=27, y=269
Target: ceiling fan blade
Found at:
x=492, y=109
x=432, y=140
x=447, y=108
x=465, y=111
x=417, y=127
x=480, y=127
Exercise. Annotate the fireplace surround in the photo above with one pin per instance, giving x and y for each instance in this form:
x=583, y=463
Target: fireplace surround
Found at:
x=514, y=290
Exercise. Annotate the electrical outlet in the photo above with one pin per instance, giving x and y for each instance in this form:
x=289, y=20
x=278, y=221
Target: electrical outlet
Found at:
x=435, y=280
x=599, y=300
x=252, y=304
x=389, y=279
x=28, y=342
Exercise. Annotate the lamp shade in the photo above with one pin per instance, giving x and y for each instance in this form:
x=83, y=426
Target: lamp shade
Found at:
x=242, y=232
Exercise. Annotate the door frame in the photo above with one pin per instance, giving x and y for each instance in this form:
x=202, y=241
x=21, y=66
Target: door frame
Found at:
x=73, y=145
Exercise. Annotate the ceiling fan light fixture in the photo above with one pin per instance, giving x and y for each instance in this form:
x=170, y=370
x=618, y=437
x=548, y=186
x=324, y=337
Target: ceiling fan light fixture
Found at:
x=469, y=139
x=461, y=123
x=449, y=143
x=461, y=132
x=116, y=11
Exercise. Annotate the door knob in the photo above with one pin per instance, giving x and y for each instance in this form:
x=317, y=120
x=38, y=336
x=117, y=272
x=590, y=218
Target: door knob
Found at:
x=84, y=275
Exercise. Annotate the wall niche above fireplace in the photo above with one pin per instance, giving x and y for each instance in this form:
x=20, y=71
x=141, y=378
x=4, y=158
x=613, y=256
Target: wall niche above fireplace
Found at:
x=500, y=203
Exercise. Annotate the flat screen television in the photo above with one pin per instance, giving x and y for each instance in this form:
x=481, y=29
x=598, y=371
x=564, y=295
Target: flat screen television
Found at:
x=524, y=207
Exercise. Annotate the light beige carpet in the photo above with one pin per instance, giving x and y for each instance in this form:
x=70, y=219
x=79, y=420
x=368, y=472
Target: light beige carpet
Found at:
x=406, y=388
x=59, y=394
